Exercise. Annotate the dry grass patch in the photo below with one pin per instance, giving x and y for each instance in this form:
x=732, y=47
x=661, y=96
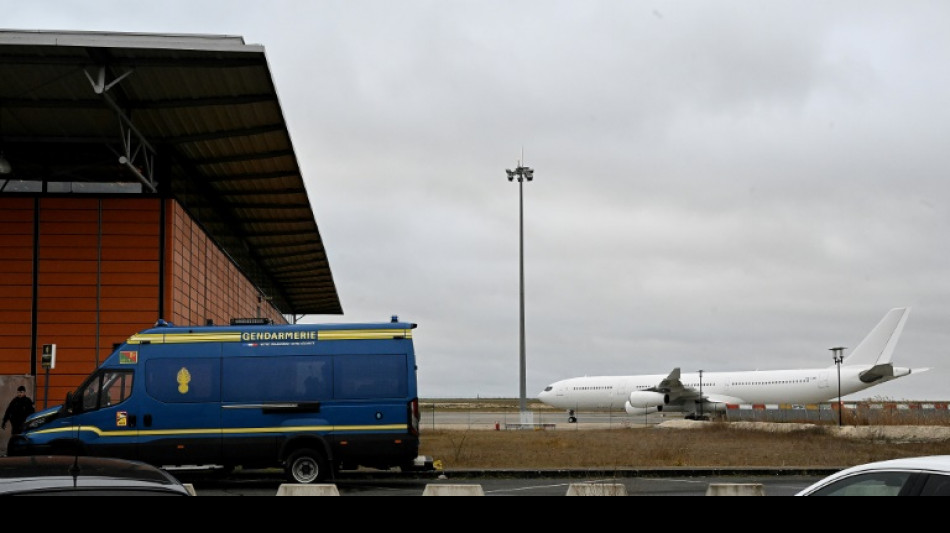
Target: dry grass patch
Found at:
x=717, y=445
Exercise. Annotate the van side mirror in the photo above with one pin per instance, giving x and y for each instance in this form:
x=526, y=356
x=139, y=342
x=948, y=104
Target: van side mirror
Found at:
x=71, y=403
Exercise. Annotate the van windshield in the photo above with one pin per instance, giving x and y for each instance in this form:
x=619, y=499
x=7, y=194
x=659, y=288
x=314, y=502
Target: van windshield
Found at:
x=105, y=389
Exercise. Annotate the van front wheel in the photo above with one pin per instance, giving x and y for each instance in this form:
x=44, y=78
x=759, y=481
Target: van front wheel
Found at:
x=307, y=466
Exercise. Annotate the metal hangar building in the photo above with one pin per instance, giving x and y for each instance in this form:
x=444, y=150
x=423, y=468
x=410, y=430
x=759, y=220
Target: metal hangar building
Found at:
x=144, y=177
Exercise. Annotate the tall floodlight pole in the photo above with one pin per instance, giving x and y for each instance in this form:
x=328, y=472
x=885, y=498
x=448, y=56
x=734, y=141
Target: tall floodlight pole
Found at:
x=522, y=174
x=839, y=358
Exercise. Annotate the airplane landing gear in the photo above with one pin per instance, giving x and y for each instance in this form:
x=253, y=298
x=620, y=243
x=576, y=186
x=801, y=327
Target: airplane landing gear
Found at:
x=571, y=418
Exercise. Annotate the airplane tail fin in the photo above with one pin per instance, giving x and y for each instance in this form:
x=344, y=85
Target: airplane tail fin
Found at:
x=878, y=347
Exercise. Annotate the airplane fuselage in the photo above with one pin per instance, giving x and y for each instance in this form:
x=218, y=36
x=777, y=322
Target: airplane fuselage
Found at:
x=797, y=387
x=868, y=365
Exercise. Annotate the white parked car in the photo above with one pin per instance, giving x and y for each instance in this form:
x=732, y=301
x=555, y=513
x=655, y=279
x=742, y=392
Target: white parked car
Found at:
x=919, y=476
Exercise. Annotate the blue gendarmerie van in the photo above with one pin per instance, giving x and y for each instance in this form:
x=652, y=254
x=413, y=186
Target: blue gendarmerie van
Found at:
x=309, y=398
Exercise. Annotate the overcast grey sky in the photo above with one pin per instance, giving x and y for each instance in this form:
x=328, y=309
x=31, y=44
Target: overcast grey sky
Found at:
x=720, y=185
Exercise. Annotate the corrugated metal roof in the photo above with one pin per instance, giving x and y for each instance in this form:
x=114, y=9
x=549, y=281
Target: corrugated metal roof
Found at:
x=203, y=123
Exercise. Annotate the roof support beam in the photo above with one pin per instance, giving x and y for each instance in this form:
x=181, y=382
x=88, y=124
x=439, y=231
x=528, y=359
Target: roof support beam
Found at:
x=269, y=192
x=217, y=135
x=220, y=61
x=259, y=220
x=244, y=157
x=263, y=176
x=207, y=102
x=272, y=205
x=292, y=266
x=26, y=103
x=136, y=158
x=306, y=236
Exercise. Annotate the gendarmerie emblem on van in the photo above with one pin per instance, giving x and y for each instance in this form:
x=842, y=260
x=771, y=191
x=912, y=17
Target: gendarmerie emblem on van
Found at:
x=184, y=378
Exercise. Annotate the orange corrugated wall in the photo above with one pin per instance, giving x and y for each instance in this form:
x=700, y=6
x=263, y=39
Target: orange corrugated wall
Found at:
x=16, y=284
x=202, y=282
x=70, y=277
x=115, y=294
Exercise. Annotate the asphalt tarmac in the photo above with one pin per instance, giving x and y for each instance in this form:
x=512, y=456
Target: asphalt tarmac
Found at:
x=497, y=484
x=660, y=482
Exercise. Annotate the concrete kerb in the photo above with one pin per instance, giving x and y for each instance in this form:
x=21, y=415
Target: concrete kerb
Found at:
x=597, y=489
x=288, y=489
x=735, y=489
x=435, y=489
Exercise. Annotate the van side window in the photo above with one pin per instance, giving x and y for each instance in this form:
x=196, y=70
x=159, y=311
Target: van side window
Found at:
x=360, y=377
x=106, y=389
x=278, y=379
x=191, y=380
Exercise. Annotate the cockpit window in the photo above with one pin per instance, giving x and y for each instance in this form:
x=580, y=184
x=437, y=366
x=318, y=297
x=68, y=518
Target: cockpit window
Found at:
x=549, y=389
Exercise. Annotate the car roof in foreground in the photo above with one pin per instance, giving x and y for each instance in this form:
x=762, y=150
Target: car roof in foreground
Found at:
x=935, y=463
x=63, y=473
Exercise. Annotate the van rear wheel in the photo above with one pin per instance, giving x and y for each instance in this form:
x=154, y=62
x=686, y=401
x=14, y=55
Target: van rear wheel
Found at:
x=307, y=466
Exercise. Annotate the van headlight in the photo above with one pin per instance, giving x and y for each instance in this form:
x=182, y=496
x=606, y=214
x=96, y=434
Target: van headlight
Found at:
x=37, y=422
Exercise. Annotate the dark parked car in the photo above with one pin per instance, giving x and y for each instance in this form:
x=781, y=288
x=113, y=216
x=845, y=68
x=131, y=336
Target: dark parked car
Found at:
x=920, y=476
x=84, y=476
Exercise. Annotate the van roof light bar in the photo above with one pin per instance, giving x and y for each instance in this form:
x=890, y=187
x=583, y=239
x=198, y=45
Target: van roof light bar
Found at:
x=250, y=322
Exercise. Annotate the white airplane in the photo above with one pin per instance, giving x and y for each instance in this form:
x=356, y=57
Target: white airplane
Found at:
x=868, y=365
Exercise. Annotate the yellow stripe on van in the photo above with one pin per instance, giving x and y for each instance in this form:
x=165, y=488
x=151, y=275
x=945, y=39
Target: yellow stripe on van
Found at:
x=74, y=430
x=202, y=337
x=362, y=334
x=324, y=335
x=151, y=339
x=219, y=431
x=184, y=338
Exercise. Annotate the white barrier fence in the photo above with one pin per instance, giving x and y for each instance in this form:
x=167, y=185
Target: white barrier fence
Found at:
x=863, y=413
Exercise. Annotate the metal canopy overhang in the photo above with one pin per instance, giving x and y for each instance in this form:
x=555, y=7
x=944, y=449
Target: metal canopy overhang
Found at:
x=194, y=117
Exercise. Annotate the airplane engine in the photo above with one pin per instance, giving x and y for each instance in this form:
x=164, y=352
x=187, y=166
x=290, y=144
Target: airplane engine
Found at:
x=631, y=410
x=647, y=400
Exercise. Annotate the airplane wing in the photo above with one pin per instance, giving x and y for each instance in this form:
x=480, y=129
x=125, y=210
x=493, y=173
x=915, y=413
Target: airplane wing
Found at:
x=718, y=398
x=672, y=383
x=674, y=388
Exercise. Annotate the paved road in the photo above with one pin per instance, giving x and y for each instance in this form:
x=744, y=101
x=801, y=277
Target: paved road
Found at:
x=267, y=483
x=667, y=483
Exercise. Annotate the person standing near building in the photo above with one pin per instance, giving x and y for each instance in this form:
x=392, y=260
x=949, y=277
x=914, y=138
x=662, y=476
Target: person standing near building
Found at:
x=19, y=408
